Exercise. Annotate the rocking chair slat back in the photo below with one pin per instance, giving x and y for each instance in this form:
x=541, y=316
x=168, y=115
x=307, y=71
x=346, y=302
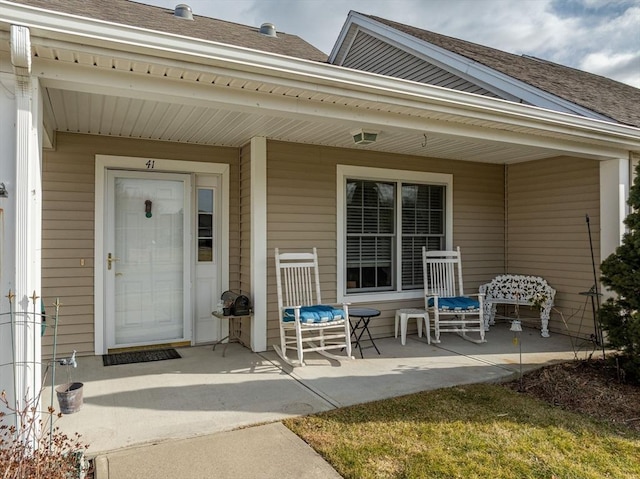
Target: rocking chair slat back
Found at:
x=443, y=273
x=298, y=282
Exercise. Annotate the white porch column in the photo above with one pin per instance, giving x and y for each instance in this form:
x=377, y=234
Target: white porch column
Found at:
x=614, y=192
x=20, y=166
x=259, y=243
x=7, y=223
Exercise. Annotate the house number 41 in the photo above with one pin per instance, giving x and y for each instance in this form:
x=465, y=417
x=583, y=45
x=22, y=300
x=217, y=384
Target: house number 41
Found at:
x=151, y=164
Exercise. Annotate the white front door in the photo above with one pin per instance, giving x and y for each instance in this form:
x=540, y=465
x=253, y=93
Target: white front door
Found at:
x=147, y=244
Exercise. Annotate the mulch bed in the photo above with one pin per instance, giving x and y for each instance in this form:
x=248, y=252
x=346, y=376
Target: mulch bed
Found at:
x=590, y=387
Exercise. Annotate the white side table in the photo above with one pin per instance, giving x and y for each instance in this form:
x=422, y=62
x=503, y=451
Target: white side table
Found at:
x=404, y=315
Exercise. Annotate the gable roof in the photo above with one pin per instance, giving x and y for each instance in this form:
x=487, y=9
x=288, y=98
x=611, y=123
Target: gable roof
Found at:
x=601, y=95
x=149, y=17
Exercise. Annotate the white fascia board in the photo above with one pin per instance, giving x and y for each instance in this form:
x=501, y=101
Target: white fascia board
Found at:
x=469, y=69
x=312, y=76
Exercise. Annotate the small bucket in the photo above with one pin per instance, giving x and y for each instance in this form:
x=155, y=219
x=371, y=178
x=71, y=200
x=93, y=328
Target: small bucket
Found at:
x=69, y=397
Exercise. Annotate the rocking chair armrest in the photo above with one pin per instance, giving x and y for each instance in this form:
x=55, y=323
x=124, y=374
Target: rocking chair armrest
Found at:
x=433, y=295
x=480, y=296
x=290, y=307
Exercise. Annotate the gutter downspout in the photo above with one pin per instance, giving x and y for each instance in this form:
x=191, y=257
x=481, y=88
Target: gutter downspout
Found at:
x=27, y=222
x=506, y=219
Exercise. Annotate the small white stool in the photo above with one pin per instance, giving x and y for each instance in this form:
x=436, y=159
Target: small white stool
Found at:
x=404, y=315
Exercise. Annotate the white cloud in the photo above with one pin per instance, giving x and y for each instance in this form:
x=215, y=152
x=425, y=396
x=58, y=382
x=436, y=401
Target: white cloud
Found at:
x=624, y=66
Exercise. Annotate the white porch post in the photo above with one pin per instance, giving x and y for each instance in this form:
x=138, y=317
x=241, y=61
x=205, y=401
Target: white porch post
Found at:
x=22, y=210
x=7, y=224
x=259, y=243
x=614, y=192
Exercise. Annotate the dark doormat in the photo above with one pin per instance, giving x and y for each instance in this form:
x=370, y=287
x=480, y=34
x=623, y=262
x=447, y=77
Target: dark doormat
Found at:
x=139, y=356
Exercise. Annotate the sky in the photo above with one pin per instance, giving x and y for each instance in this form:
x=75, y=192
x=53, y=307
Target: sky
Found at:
x=598, y=36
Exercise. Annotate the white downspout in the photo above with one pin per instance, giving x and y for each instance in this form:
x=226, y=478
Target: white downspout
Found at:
x=27, y=221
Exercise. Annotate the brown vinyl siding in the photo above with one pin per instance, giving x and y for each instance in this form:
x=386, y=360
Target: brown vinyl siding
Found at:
x=548, y=236
x=68, y=224
x=301, y=214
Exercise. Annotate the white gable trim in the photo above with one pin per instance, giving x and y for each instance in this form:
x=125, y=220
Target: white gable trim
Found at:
x=494, y=81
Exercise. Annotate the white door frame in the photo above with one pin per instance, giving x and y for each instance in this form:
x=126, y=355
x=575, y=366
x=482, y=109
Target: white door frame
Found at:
x=104, y=162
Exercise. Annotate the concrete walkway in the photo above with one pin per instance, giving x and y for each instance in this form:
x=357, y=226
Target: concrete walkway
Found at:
x=267, y=451
x=180, y=418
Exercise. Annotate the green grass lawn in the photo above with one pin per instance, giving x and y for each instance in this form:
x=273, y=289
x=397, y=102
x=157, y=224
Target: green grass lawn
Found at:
x=476, y=431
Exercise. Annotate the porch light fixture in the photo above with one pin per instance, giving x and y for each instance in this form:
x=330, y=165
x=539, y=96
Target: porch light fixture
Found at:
x=364, y=137
x=3, y=191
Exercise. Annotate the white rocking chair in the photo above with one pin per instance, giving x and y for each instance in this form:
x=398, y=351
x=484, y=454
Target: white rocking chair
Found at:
x=305, y=323
x=451, y=309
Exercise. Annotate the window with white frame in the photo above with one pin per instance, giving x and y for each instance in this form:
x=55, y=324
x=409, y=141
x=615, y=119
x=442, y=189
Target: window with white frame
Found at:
x=205, y=224
x=387, y=216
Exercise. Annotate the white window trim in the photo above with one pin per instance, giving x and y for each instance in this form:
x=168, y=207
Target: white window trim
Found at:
x=382, y=174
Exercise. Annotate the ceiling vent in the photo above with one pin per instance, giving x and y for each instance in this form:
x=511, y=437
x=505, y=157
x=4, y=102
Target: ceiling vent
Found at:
x=183, y=11
x=268, y=29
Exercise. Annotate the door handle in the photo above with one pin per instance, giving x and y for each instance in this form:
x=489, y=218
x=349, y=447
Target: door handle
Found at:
x=110, y=260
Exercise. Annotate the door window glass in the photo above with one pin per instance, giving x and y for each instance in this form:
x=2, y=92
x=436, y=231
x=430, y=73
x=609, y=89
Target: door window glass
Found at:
x=205, y=224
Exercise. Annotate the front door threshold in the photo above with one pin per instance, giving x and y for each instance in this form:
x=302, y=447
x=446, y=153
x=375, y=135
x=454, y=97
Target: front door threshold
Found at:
x=178, y=344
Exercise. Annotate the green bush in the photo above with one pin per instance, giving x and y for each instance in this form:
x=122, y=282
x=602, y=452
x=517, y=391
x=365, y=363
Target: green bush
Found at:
x=620, y=316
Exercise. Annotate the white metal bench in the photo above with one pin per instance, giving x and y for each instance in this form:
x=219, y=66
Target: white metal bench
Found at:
x=518, y=290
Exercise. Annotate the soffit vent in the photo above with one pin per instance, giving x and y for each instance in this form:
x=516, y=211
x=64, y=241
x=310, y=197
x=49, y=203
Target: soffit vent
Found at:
x=183, y=11
x=268, y=29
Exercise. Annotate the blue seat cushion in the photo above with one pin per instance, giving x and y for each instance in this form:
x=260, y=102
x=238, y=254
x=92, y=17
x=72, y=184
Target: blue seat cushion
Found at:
x=457, y=303
x=314, y=314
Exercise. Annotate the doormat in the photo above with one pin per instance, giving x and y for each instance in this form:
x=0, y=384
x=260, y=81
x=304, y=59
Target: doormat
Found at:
x=139, y=356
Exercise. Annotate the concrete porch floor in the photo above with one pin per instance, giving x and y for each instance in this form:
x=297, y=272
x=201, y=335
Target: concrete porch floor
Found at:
x=204, y=393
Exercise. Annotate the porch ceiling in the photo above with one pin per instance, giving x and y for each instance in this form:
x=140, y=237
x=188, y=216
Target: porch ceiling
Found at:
x=119, y=116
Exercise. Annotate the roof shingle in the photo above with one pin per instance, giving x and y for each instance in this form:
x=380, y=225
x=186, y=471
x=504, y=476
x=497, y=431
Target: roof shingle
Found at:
x=135, y=14
x=608, y=97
